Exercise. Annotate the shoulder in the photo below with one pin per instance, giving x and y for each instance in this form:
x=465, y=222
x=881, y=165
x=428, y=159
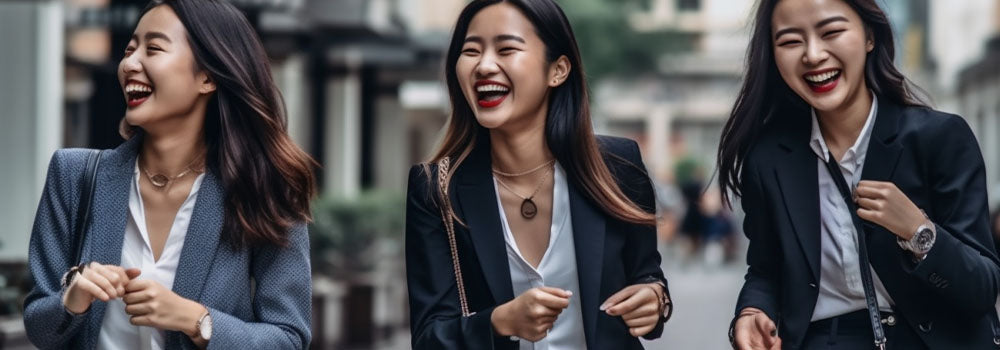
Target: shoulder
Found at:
x=422, y=183
x=933, y=126
x=618, y=146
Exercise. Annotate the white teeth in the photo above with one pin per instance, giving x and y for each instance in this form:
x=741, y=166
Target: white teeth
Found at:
x=492, y=87
x=821, y=77
x=137, y=87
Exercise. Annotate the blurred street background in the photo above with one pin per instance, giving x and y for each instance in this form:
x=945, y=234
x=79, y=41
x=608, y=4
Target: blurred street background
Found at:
x=362, y=83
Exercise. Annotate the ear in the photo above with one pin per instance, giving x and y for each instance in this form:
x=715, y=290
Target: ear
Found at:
x=206, y=85
x=559, y=71
x=869, y=40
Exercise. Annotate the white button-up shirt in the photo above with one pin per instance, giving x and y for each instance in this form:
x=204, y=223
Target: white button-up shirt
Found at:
x=117, y=333
x=840, y=287
x=557, y=269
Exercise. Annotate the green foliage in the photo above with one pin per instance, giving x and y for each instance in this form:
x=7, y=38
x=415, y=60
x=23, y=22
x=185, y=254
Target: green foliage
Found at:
x=608, y=43
x=345, y=232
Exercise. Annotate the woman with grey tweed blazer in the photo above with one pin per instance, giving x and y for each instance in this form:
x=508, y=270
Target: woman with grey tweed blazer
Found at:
x=196, y=236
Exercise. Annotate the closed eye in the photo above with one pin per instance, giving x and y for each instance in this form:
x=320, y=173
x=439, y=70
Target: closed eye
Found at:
x=833, y=32
x=789, y=43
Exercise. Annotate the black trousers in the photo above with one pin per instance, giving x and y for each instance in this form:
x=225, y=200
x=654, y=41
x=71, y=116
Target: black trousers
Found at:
x=853, y=331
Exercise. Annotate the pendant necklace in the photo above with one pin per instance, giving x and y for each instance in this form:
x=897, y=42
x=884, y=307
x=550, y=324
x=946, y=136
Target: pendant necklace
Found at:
x=161, y=181
x=528, y=207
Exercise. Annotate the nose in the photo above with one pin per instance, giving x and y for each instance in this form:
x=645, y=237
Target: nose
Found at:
x=130, y=64
x=487, y=65
x=815, y=53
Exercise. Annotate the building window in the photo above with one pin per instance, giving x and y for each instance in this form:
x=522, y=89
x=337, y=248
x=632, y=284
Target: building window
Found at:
x=689, y=5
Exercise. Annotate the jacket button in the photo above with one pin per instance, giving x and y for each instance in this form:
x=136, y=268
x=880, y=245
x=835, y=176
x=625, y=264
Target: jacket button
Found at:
x=812, y=285
x=926, y=327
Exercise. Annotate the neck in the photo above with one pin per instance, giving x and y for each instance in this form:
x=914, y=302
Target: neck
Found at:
x=841, y=127
x=522, y=149
x=172, y=153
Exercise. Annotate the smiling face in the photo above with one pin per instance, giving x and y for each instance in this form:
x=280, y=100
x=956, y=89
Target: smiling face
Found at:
x=503, y=71
x=820, y=49
x=159, y=75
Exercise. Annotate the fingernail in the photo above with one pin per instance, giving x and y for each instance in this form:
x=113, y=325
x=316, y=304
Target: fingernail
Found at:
x=569, y=293
x=603, y=307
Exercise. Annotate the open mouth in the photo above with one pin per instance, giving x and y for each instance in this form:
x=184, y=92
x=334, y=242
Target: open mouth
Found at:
x=136, y=93
x=822, y=81
x=490, y=94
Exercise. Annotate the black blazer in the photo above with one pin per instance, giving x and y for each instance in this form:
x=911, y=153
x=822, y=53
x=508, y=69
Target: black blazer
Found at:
x=934, y=159
x=610, y=254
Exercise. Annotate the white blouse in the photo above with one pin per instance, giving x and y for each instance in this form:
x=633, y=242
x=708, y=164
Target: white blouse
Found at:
x=117, y=333
x=557, y=269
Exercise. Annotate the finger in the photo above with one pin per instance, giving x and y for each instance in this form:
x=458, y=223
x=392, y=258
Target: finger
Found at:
x=92, y=289
x=537, y=311
x=776, y=345
x=642, y=321
x=143, y=320
x=552, y=301
x=94, y=276
x=765, y=326
x=116, y=276
x=557, y=292
x=138, y=309
x=640, y=331
x=132, y=273
x=136, y=297
x=640, y=297
x=618, y=297
x=136, y=285
x=869, y=215
x=648, y=309
x=871, y=204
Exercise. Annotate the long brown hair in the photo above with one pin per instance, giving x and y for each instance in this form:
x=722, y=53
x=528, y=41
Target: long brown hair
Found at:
x=765, y=96
x=568, y=129
x=268, y=180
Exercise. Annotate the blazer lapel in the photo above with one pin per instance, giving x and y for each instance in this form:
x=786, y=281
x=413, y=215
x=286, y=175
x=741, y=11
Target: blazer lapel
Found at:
x=106, y=234
x=202, y=239
x=588, y=237
x=476, y=196
x=880, y=163
x=797, y=181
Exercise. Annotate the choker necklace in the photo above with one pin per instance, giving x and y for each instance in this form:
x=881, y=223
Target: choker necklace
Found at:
x=161, y=181
x=528, y=207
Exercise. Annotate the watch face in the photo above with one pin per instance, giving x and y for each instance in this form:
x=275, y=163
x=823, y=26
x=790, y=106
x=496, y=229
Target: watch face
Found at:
x=924, y=239
x=206, y=327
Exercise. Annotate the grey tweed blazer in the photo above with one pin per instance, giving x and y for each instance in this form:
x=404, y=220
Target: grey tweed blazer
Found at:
x=259, y=298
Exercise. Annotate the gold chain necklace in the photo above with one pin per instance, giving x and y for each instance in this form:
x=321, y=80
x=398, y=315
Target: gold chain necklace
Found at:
x=161, y=181
x=498, y=172
x=528, y=207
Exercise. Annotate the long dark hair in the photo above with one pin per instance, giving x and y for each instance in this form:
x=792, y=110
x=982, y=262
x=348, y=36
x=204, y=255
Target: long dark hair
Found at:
x=765, y=96
x=568, y=129
x=268, y=180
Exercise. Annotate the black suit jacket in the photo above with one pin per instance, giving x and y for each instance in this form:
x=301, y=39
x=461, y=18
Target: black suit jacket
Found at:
x=933, y=157
x=610, y=254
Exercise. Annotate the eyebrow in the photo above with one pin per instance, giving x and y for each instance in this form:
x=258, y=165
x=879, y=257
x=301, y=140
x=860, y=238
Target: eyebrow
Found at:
x=153, y=35
x=820, y=24
x=497, y=39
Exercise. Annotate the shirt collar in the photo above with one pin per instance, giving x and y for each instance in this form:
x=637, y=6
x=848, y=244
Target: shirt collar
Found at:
x=857, y=151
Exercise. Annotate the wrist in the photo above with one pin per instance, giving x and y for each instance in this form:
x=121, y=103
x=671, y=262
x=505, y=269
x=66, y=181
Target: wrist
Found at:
x=192, y=314
x=498, y=319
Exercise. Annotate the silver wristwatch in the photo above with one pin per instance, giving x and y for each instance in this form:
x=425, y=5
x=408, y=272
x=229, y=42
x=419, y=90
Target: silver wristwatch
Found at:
x=922, y=240
x=205, y=326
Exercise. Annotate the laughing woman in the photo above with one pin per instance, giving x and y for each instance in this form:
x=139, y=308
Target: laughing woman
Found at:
x=197, y=235
x=866, y=211
x=547, y=238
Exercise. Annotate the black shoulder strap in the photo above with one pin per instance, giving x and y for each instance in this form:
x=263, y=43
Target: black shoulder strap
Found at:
x=86, y=197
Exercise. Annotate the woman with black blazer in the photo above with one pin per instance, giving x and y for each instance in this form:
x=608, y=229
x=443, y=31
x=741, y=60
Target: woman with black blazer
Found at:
x=866, y=211
x=197, y=232
x=524, y=230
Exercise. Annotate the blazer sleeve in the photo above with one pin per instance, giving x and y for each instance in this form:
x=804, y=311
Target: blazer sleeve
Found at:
x=282, y=302
x=643, y=264
x=763, y=277
x=46, y=322
x=961, y=267
x=436, y=319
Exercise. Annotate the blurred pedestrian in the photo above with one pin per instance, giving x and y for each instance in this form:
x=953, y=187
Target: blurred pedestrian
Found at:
x=525, y=229
x=838, y=164
x=196, y=234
